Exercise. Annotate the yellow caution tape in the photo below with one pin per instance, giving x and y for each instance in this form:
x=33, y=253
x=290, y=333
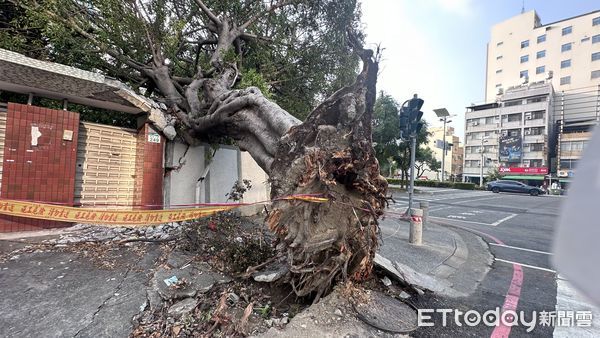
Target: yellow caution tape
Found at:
x=119, y=217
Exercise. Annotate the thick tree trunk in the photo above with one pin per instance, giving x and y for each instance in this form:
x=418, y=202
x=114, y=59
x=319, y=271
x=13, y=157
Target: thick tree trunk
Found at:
x=330, y=153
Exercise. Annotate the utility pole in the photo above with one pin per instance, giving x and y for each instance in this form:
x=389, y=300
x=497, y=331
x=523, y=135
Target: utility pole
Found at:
x=444, y=151
x=443, y=114
x=483, y=140
x=410, y=125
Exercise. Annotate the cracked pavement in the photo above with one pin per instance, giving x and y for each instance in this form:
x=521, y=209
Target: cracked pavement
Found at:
x=62, y=294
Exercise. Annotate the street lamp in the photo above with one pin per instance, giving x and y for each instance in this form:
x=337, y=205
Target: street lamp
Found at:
x=443, y=114
x=483, y=140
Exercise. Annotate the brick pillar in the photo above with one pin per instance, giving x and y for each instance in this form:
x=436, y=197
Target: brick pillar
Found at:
x=40, y=151
x=149, y=171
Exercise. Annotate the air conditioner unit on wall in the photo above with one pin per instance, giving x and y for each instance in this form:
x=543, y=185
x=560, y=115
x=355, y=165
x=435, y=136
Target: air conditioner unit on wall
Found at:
x=505, y=133
x=527, y=131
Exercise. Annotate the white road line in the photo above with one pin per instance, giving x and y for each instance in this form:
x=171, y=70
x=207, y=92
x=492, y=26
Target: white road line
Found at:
x=525, y=265
x=477, y=200
x=504, y=219
x=460, y=220
x=432, y=209
x=519, y=248
x=569, y=299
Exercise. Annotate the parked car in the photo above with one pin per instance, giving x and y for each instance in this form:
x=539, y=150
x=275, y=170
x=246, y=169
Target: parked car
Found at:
x=513, y=186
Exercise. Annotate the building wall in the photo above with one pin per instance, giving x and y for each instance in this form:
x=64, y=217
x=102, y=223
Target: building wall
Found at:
x=148, y=192
x=225, y=167
x=504, y=52
x=44, y=171
x=490, y=121
x=188, y=166
x=450, y=167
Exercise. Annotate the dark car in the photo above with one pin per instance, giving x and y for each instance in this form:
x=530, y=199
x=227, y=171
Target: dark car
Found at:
x=513, y=186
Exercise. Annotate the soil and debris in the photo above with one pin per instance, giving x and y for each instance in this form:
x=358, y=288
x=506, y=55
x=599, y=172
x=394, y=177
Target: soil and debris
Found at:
x=204, y=281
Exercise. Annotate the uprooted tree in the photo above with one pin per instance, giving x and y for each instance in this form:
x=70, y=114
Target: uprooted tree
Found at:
x=191, y=55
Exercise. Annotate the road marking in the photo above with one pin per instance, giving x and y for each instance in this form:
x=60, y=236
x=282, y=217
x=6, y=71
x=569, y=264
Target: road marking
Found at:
x=525, y=265
x=457, y=217
x=477, y=200
x=460, y=220
x=504, y=219
x=519, y=248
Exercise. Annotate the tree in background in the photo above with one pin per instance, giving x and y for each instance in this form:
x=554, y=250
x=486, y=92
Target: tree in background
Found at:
x=386, y=132
x=493, y=175
x=426, y=161
x=402, y=158
x=247, y=71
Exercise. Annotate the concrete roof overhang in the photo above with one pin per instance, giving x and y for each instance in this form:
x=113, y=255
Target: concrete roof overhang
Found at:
x=21, y=74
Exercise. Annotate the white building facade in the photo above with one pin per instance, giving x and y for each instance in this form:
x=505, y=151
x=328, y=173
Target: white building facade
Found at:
x=513, y=134
x=522, y=49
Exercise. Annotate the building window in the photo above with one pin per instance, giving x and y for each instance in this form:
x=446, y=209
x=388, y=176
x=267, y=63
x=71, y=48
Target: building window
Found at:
x=596, y=56
x=596, y=21
x=536, y=147
x=540, y=54
x=514, y=117
x=536, y=99
x=524, y=58
x=498, y=71
x=523, y=74
x=541, y=38
x=499, y=43
x=489, y=120
x=596, y=38
x=498, y=85
x=513, y=103
x=534, y=115
x=498, y=57
x=595, y=74
x=540, y=69
x=566, y=47
x=567, y=30
x=514, y=132
x=568, y=164
x=525, y=44
x=565, y=80
x=534, y=131
x=565, y=63
x=535, y=163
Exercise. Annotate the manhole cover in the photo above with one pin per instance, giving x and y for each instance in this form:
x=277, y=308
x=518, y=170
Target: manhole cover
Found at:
x=386, y=313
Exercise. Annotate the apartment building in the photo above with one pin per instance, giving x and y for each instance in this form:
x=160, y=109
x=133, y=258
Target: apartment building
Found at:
x=523, y=50
x=511, y=134
x=453, y=161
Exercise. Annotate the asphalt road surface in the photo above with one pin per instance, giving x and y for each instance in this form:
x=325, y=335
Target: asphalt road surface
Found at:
x=519, y=230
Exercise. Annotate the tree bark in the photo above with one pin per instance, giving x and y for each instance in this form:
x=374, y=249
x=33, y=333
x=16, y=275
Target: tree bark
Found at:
x=330, y=153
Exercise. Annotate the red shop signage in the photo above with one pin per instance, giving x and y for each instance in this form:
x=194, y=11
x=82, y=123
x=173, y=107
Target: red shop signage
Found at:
x=518, y=170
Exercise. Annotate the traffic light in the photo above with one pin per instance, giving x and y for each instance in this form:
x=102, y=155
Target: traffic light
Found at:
x=404, y=123
x=414, y=105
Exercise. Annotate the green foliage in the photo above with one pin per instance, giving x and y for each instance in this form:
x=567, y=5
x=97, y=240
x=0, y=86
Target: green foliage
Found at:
x=435, y=184
x=252, y=78
x=301, y=54
x=493, y=174
x=386, y=131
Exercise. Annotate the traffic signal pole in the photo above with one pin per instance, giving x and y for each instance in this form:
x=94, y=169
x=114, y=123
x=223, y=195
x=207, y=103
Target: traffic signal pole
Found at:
x=411, y=187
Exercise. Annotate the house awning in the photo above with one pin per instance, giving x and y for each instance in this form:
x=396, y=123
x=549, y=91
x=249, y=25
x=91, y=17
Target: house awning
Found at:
x=524, y=177
x=22, y=74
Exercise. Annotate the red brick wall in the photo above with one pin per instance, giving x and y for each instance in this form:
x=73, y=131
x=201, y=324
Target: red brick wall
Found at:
x=45, y=172
x=149, y=169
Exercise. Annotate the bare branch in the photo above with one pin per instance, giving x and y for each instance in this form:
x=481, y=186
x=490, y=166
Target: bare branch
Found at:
x=208, y=12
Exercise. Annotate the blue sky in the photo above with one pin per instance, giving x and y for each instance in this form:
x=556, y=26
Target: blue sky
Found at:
x=437, y=48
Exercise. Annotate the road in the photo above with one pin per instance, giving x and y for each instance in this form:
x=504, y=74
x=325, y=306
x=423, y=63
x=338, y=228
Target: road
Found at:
x=519, y=230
